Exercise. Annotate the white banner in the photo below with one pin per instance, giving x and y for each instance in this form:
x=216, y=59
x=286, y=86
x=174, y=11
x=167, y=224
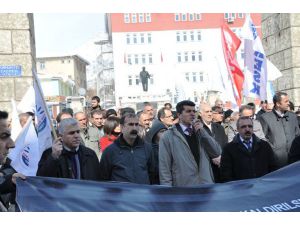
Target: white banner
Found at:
x=255, y=83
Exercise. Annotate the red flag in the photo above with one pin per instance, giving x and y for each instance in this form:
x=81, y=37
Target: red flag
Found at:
x=125, y=59
x=231, y=43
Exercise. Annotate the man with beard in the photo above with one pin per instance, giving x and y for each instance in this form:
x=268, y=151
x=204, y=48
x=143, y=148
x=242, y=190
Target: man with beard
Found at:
x=246, y=156
x=67, y=158
x=89, y=135
x=127, y=159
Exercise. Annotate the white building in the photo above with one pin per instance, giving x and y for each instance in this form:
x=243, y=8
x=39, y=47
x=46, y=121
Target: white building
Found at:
x=182, y=52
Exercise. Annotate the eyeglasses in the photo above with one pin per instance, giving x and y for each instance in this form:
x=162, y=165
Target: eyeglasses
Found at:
x=132, y=124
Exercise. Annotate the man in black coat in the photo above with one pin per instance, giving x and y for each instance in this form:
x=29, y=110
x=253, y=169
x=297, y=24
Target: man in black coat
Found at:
x=67, y=158
x=246, y=156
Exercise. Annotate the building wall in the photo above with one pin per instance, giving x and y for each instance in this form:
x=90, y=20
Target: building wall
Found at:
x=281, y=32
x=17, y=47
x=65, y=67
x=169, y=75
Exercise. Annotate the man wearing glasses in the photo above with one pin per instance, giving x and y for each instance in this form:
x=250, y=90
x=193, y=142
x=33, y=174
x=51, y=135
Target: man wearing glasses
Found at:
x=246, y=156
x=246, y=110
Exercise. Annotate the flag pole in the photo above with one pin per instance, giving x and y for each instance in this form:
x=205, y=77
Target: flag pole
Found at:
x=44, y=103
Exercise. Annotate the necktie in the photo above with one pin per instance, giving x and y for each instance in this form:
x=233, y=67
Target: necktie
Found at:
x=189, y=130
x=248, y=144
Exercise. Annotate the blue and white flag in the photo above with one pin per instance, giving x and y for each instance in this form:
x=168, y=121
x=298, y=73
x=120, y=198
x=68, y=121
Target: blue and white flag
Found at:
x=42, y=121
x=15, y=122
x=255, y=83
x=26, y=154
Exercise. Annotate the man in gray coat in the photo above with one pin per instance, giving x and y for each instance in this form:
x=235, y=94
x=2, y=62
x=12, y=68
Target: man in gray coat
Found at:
x=280, y=127
x=246, y=110
x=185, y=150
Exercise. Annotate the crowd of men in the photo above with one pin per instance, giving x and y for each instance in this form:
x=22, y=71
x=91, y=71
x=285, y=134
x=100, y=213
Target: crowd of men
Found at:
x=174, y=148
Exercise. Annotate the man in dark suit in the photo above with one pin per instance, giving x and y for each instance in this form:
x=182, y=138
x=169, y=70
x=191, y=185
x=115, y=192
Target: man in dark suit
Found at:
x=144, y=76
x=246, y=156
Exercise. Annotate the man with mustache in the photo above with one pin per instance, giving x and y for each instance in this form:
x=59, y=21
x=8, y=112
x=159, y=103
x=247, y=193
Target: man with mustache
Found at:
x=127, y=159
x=68, y=158
x=246, y=156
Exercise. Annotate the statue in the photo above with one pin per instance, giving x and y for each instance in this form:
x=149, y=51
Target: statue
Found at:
x=144, y=76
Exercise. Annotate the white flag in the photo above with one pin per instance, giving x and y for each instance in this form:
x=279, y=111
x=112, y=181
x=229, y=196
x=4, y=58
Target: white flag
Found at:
x=273, y=71
x=15, y=122
x=27, y=104
x=255, y=83
x=42, y=122
x=26, y=155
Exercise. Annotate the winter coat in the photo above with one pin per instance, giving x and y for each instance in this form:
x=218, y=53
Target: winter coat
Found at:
x=90, y=138
x=106, y=141
x=125, y=163
x=156, y=127
x=294, y=154
x=62, y=168
x=280, y=133
x=238, y=163
x=177, y=165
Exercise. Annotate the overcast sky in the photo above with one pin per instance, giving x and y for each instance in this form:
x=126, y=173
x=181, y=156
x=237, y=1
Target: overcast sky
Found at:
x=59, y=34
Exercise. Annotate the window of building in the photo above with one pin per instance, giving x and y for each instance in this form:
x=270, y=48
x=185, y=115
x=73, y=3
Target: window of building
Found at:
x=149, y=38
x=136, y=59
x=232, y=15
x=192, y=35
x=200, y=56
x=179, y=57
x=142, y=38
x=198, y=16
x=199, y=35
x=148, y=17
x=141, y=17
x=186, y=56
x=240, y=15
x=42, y=65
x=184, y=36
x=201, y=77
x=137, y=79
x=193, y=56
x=129, y=80
x=226, y=15
x=133, y=18
x=183, y=17
x=178, y=36
x=191, y=17
x=126, y=18
x=62, y=61
x=143, y=58
x=134, y=39
x=128, y=39
x=195, y=99
x=194, y=77
x=150, y=58
x=187, y=76
x=177, y=17
x=129, y=59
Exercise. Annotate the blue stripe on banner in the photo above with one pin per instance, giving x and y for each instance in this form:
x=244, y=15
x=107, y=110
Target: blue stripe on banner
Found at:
x=275, y=192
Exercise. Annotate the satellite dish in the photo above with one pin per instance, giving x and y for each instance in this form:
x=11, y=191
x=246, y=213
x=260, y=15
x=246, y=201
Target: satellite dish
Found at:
x=81, y=91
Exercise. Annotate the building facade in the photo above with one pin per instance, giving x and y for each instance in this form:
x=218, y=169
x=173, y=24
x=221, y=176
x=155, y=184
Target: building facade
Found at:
x=181, y=51
x=281, y=32
x=71, y=69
